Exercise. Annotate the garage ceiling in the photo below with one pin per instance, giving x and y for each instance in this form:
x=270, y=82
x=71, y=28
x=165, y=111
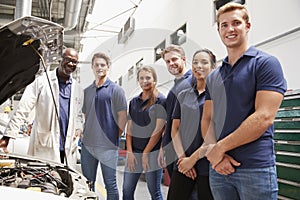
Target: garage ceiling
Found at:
x=71, y=14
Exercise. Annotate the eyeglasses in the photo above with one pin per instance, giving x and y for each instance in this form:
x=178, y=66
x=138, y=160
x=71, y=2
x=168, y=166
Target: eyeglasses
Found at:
x=70, y=60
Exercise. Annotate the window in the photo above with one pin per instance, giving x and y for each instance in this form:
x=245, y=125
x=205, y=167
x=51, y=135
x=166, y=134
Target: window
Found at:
x=130, y=72
x=158, y=49
x=121, y=37
x=179, y=36
x=139, y=64
x=120, y=81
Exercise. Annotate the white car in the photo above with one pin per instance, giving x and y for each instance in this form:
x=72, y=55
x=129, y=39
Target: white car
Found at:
x=23, y=176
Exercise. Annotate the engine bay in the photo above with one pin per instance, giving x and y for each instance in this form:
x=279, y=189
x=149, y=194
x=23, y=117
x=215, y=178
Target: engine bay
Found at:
x=40, y=176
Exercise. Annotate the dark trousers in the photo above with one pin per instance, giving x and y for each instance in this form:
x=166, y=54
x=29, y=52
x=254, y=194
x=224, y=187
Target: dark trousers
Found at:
x=171, y=157
x=181, y=187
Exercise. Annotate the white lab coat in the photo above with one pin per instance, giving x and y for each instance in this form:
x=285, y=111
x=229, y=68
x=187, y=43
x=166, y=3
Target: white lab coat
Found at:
x=45, y=134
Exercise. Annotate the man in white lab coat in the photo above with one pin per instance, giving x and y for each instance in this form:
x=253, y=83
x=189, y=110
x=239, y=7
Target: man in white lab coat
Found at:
x=57, y=120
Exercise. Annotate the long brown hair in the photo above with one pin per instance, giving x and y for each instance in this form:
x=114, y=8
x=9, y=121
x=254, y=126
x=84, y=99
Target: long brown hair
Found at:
x=155, y=91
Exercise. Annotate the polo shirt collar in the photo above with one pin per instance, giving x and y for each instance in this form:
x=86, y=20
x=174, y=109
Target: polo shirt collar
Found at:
x=140, y=97
x=105, y=84
x=185, y=76
x=251, y=52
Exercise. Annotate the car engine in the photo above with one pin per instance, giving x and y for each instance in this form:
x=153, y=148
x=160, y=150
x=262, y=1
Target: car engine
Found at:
x=32, y=174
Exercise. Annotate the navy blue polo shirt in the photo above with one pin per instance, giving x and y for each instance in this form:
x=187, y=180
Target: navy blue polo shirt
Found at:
x=179, y=85
x=233, y=89
x=144, y=120
x=100, y=106
x=188, y=109
x=64, y=108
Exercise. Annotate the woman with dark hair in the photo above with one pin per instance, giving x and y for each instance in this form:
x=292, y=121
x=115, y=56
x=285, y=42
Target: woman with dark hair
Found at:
x=186, y=131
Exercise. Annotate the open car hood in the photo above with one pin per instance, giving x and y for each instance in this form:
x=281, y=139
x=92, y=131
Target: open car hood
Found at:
x=19, y=62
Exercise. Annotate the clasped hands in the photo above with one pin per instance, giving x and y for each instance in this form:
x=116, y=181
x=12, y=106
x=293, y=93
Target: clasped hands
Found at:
x=221, y=162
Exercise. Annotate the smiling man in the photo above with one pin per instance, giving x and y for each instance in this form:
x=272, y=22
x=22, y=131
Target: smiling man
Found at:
x=242, y=99
x=175, y=59
x=105, y=110
x=57, y=118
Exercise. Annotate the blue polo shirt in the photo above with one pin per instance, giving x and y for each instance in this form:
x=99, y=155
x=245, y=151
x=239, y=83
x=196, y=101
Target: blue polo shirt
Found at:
x=179, y=85
x=233, y=89
x=100, y=106
x=188, y=109
x=64, y=108
x=144, y=120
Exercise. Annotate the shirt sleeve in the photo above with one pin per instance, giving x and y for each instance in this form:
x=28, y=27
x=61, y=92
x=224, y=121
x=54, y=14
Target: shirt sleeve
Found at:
x=25, y=106
x=270, y=75
x=176, y=112
x=119, y=99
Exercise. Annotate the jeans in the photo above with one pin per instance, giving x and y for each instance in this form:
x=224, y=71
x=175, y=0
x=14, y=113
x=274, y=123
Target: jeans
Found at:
x=108, y=159
x=153, y=178
x=89, y=164
x=245, y=184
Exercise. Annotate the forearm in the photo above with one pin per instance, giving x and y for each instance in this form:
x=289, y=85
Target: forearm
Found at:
x=152, y=142
x=156, y=136
x=207, y=125
x=128, y=142
x=122, y=120
x=129, y=137
x=197, y=155
x=250, y=130
x=267, y=104
x=177, y=144
x=210, y=137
